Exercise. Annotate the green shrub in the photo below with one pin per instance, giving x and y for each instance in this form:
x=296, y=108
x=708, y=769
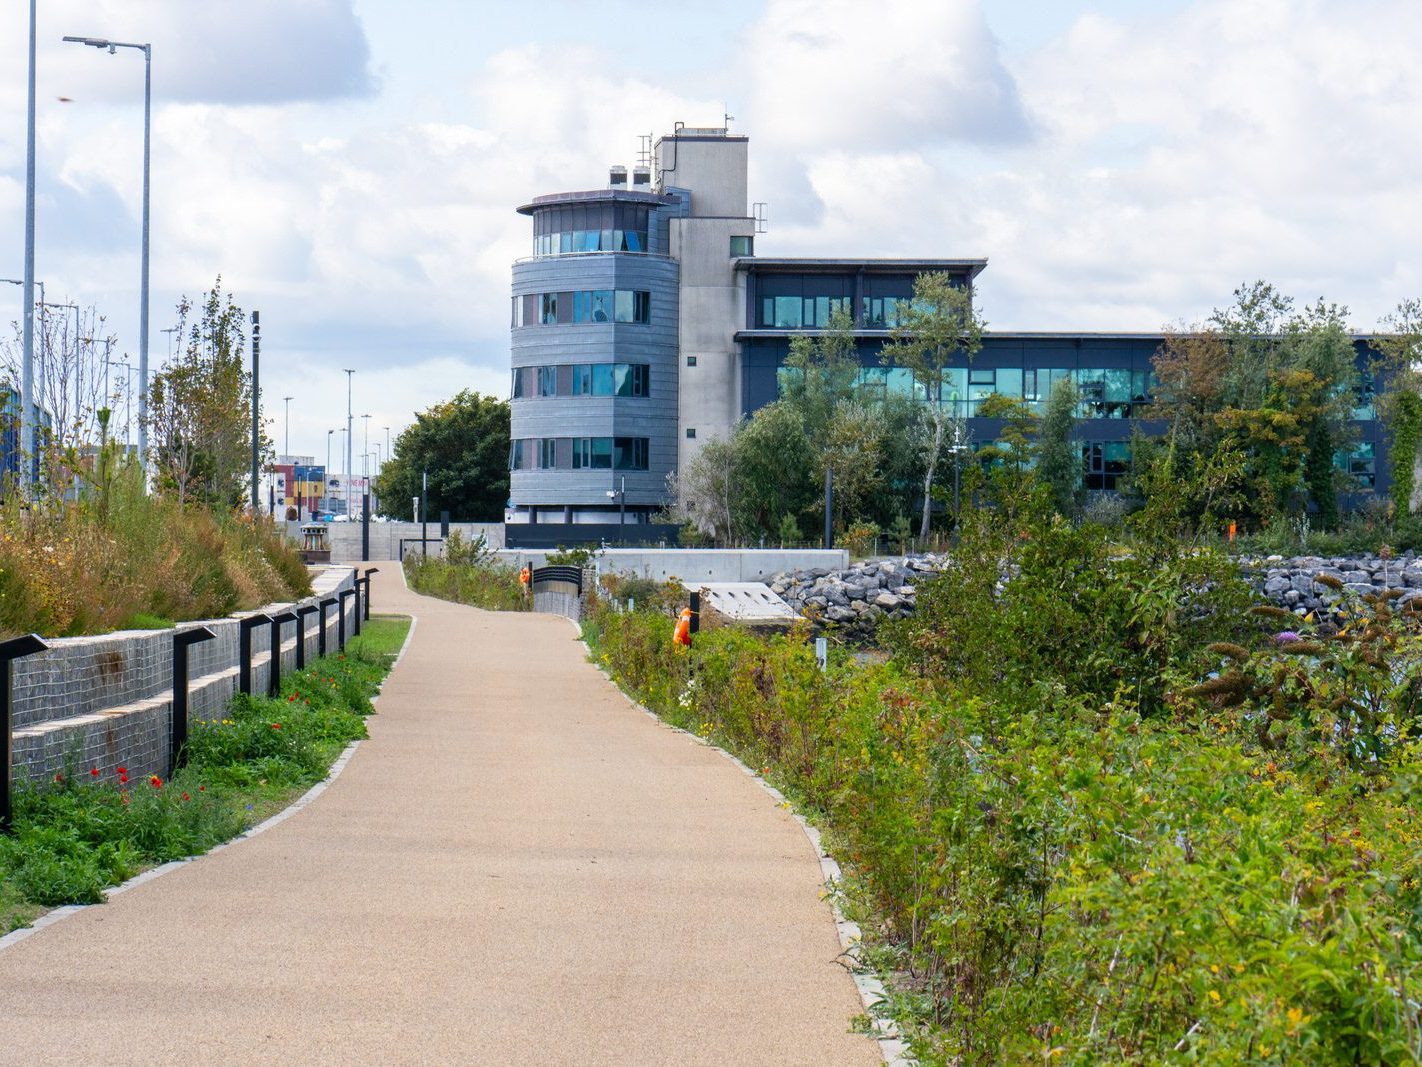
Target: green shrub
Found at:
x=487, y=584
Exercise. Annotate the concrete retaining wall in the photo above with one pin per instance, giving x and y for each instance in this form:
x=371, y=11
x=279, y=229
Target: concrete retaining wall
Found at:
x=385, y=537
x=693, y=565
x=105, y=701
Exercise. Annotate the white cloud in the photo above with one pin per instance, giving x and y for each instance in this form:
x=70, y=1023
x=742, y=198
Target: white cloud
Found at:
x=1128, y=174
x=1174, y=157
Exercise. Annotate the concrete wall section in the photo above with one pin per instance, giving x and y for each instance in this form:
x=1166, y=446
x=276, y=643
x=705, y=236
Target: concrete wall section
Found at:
x=385, y=537
x=713, y=165
x=107, y=701
x=693, y=565
x=711, y=302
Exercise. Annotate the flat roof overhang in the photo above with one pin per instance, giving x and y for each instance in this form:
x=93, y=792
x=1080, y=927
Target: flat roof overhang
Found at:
x=784, y=265
x=585, y=196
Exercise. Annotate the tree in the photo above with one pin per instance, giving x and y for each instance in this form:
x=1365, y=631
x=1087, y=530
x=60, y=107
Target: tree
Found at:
x=463, y=444
x=1270, y=384
x=69, y=385
x=199, y=409
x=1058, y=456
x=938, y=327
x=1398, y=368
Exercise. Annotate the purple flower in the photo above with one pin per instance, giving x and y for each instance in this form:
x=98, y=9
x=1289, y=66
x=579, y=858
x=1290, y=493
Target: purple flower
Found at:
x=1287, y=637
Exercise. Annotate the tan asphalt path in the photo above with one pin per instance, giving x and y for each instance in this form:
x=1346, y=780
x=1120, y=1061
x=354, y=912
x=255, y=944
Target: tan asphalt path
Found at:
x=517, y=868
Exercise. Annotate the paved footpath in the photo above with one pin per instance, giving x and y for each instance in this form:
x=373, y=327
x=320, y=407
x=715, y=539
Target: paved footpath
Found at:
x=518, y=867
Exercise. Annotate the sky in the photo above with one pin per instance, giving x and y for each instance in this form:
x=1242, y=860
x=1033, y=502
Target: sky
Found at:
x=352, y=167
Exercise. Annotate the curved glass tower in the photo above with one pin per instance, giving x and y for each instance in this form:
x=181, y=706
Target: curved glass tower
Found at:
x=594, y=357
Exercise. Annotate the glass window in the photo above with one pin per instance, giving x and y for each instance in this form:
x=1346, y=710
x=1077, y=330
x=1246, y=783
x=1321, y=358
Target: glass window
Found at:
x=630, y=453
x=547, y=381
x=787, y=312
x=955, y=390
x=1360, y=464
x=632, y=306
x=521, y=455
x=582, y=379
x=977, y=376
x=742, y=246
x=630, y=379
x=602, y=379
x=548, y=453
x=548, y=308
x=582, y=307
x=1009, y=382
x=601, y=300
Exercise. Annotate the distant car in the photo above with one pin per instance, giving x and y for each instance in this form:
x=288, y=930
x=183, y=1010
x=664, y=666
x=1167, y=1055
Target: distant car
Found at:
x=340, y=518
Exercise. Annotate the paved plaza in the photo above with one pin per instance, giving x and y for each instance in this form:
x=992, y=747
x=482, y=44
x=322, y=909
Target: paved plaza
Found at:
x=517, y=867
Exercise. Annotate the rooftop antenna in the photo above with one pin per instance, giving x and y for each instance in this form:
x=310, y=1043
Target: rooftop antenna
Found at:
x=759, y=214
x=727, y=118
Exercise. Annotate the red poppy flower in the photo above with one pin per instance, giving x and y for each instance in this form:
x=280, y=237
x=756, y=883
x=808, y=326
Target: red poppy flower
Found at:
x=59, y=777
x=291, y=699
x=155, y=781
x=186, y=797
x=94, y=772
x=123, y=779
x=202, y=789
x=123, y=770
x=276, y=726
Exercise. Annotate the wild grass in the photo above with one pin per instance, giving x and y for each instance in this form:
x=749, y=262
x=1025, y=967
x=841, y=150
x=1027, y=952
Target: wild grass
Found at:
x=123, y=558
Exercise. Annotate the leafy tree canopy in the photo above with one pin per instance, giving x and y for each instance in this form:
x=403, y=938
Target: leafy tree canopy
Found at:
x=463, y=444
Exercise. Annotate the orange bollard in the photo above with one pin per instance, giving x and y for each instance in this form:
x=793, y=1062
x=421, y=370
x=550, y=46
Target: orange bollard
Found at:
x=1231, y=530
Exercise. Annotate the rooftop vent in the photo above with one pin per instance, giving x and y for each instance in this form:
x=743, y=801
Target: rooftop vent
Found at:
x=641, y=178
x=617, y=177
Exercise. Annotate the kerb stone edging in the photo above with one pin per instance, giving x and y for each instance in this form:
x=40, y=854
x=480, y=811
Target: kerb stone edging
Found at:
x=49, y=918
x=892, y=1047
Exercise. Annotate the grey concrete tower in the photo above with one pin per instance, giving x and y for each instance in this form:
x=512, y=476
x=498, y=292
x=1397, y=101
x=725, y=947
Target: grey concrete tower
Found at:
x=623, y=324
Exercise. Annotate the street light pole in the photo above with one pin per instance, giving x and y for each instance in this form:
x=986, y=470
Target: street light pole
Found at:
x=26, y=436
x=287, y=445
x=147, y=50
x=350, y=440
x=326, y=476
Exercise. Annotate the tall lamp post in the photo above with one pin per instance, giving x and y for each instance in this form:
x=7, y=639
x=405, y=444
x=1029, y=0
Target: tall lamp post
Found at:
x=26, y=435
x=350, y=440
x=147, y=50
x=326, y=476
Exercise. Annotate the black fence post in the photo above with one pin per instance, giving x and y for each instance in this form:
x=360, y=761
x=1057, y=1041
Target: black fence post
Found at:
x=244, y=650
x=321, y=638
x=341, y=619
x=10, y=651
x=274, y=674
x=696, y=611
x=178, y=722
x=444, y=526
x=372, y=570
x=301, y=614
x=355, y=613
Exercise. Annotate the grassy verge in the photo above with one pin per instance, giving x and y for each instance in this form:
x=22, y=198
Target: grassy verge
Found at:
x=490, y=585
x=126, y=559
x=97, y=826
